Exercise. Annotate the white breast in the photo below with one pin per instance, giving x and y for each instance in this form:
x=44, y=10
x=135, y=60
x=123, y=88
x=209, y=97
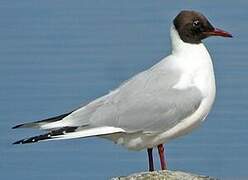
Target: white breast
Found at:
x=197, y=69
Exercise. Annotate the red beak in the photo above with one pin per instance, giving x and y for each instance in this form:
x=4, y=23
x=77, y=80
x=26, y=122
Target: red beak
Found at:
x=218, y=32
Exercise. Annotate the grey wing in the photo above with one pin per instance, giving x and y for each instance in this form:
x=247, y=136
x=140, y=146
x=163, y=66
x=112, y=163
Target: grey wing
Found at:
x=159, y=111
x=147, y=102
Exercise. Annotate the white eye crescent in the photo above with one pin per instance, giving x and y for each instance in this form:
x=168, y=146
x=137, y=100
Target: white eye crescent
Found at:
x=196, y=23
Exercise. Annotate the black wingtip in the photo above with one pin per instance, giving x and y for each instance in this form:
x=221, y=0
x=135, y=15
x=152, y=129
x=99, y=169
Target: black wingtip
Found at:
x=18, y=142
x=26, y=141
x=37, y=124
x=34, y=139
x=47, y=136
x=17, y=126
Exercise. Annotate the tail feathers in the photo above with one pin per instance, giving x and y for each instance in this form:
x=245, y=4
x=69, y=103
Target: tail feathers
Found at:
x=71, y=133
x=38, y=124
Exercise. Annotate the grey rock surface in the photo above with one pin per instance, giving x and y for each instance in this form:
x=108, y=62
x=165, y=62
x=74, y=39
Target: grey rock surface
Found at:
x=164, y=175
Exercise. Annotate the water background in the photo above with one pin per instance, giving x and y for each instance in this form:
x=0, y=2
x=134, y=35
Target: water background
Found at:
x=56, y=55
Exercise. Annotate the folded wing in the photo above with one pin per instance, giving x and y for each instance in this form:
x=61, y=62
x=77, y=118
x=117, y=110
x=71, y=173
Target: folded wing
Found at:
x=147, y=102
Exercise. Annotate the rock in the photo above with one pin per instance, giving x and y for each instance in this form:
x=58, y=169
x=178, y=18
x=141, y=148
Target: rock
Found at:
x=164, y=175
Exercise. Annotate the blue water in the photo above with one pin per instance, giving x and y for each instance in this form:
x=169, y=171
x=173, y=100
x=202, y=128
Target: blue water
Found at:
x=56, y=55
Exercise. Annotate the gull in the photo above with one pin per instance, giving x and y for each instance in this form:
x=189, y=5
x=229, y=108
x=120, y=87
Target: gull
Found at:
x=166, y=101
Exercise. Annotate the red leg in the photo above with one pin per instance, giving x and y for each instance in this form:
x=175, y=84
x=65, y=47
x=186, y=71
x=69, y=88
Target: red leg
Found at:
x=161, y=156
x=150, y=158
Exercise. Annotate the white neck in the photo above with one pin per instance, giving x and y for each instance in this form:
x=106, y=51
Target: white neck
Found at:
x=178, y=45
x=189, y=54
x=194, y=61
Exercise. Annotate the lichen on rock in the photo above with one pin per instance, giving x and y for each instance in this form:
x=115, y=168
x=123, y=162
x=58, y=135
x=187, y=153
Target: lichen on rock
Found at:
x=164, y=175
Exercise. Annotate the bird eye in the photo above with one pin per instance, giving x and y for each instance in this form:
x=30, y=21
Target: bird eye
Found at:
x=196, y=23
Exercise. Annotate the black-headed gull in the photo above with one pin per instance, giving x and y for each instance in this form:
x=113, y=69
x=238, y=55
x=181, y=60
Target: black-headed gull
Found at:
x=166, y=101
